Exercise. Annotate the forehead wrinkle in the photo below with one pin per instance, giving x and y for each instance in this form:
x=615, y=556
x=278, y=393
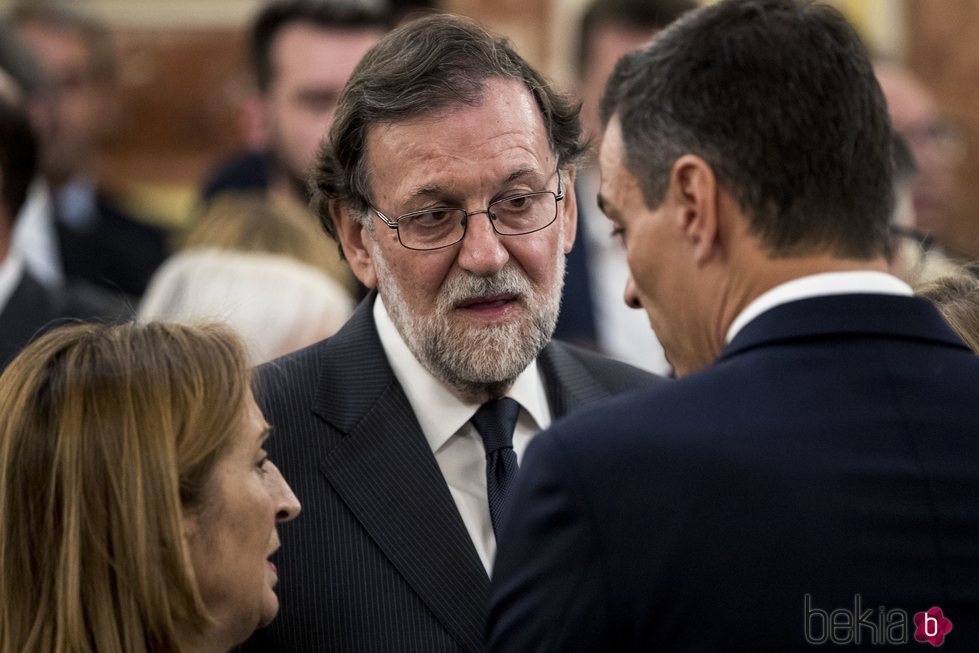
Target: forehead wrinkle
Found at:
x=496, y=155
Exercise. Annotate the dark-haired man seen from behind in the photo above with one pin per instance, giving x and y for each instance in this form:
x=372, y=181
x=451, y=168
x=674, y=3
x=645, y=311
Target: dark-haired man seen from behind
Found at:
x=813, y=477
x=448, y=179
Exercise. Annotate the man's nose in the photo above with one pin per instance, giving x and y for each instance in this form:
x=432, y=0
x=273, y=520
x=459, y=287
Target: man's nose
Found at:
x=631, y=295
x=483, y=251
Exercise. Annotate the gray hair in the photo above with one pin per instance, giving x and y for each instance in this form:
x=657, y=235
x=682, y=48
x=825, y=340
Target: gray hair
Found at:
x=419, y=68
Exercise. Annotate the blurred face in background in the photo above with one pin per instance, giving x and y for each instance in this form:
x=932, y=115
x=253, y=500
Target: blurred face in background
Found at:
x=608, y=43
x=76, y=101
x=915, y=115
x=310, y=65
x=234, y=533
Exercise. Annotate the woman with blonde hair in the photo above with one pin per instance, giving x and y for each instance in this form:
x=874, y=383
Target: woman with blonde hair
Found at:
x=137, y=507
x=957, y=298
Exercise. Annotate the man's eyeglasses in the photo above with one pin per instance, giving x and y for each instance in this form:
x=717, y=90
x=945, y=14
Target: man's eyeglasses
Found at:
x=444, y=226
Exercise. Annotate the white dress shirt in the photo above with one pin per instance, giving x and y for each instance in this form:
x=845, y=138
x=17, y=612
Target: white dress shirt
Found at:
x=458, y=447
x=818, y=285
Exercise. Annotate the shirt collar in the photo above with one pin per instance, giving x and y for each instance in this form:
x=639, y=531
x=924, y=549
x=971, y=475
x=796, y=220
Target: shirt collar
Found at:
x=816, y=285
x=439, y=412
x=10, y=275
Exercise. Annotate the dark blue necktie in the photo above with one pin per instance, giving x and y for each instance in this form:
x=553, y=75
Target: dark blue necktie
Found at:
x=495, y=421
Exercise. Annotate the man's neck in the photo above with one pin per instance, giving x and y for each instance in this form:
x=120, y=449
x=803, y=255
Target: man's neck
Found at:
x=775, y=272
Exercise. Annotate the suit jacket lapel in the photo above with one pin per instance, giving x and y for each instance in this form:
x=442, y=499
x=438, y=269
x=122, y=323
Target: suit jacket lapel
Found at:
x=566, y=381
x=384, y=470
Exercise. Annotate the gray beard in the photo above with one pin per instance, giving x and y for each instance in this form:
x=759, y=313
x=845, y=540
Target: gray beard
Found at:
x=478, y=363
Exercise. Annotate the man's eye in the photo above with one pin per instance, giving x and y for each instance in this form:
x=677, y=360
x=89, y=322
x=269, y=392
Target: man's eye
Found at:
x=435, y=217
x=515, y=203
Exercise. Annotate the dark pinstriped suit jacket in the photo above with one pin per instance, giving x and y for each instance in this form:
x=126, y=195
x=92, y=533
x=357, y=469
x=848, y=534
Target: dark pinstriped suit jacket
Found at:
x=379, y=559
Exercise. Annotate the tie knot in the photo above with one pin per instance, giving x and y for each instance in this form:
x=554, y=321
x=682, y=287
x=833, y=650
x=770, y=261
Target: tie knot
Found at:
x=495, y=421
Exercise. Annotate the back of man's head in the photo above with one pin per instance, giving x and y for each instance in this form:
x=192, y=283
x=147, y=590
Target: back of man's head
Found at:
x=418, y=69
x=779, y=98
x=320, y=14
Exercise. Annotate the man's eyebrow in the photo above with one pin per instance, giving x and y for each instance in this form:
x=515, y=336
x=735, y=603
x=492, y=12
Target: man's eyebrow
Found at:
x=519, y=174
x=428, y=190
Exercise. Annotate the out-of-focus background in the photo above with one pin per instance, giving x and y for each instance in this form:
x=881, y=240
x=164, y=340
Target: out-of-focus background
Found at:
x=183, y=77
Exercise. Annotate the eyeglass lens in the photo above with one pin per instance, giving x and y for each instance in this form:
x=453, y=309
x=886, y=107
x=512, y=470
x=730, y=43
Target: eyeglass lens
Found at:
x=510, y=216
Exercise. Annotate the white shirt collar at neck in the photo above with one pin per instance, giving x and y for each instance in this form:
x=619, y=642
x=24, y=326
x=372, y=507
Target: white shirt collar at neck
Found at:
x=439, y=412
x=816, y=285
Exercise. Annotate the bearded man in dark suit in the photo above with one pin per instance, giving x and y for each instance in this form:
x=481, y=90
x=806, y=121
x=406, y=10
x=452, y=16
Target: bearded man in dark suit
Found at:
x=448, y=179
x=813, y=477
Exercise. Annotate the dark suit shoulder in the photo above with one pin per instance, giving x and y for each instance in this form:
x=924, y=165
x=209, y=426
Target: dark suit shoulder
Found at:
x=33, y=309
x=297, y=370
x=614, y=375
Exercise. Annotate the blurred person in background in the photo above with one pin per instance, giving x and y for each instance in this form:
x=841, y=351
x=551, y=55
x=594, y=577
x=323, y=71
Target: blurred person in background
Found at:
x=251, y=221
x=96, y=239
x=138, y=507
x=913, y=255
x=935, y=144
x=258, y=264
x=274, y=303
x=301, y=53
x=26, y=305
x=592, y=311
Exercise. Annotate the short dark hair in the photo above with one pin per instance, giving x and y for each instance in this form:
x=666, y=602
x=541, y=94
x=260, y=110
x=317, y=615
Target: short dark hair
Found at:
x=421, y=67
x=779, y=98
x=18, y=157
x=651, y=15
x=276, y=16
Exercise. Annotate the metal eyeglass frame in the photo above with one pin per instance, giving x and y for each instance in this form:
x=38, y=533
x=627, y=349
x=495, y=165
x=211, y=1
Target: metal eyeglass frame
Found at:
x=393, y=224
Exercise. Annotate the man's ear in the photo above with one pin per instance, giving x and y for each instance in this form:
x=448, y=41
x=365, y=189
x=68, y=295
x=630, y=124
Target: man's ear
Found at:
x=694, y=192
x=569, y=209
x=357, y=243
